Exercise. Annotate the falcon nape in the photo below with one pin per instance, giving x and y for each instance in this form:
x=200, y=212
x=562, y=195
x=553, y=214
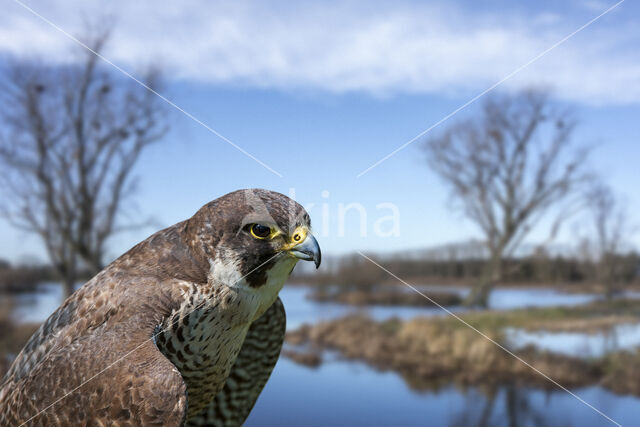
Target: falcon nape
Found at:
x=185, y=328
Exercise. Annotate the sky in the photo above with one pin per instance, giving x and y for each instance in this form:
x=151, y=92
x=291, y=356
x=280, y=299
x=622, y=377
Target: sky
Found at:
x=321, y=91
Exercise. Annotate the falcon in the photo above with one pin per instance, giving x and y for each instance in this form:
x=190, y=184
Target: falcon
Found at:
x=183, y=329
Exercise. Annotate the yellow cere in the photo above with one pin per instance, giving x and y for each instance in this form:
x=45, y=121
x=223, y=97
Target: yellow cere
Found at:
x=297, y=237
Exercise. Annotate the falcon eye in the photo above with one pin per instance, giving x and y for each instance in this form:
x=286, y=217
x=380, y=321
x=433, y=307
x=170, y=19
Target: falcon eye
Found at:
x=260, y=231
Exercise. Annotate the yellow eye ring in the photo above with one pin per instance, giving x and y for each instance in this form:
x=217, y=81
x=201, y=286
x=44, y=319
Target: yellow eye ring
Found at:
x=260, y=231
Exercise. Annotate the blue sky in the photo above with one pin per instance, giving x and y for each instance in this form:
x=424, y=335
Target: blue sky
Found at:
x=321, y=91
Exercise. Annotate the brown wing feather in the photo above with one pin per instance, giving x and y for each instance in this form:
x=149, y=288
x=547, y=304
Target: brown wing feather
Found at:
x=250, y=373
x=109, y=377
x=70, y=367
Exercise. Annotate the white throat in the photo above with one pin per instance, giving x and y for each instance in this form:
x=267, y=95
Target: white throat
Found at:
x=225, y=271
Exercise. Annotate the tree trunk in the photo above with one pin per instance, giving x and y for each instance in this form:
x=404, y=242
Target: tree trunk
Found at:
x=606, y=276
x=68, y=276
x=479, y=295
x=68, y=284
x=66, y=272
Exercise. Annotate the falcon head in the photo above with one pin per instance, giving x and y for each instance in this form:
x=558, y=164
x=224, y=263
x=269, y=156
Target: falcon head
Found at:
x=254, y=238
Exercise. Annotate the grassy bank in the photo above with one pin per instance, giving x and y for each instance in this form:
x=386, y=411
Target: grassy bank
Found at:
x=590, y=317
x=431, y=352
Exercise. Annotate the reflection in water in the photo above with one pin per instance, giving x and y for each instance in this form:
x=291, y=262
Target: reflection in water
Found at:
x=350, y=393
x=509, y=405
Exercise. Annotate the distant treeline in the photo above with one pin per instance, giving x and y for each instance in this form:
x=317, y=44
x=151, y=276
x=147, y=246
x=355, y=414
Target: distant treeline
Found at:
x=355, y=271
x=26, y=277
x=23, y=278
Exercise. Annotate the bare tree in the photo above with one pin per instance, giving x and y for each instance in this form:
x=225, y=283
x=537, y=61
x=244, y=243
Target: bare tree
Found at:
x=612, y=230
x=70, y=136
x=506, y=170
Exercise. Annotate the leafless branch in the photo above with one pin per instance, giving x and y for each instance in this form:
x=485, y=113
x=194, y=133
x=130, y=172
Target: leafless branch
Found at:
x=70, y=137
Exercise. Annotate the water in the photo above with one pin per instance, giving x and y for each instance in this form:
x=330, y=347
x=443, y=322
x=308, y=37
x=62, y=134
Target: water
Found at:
x=523, y=297
x=578, y=344
x=510, y=298
x=343, y=393
x=36, y=307
x=350, y=394
x=302, y=310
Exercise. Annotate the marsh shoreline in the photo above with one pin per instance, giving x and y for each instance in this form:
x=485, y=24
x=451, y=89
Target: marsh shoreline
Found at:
x=430, y=352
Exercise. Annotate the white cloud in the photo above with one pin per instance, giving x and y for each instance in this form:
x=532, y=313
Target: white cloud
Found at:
x=354, y=46
x=594, y=5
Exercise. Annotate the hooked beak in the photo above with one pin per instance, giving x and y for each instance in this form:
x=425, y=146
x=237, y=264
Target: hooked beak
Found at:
x=308, y=250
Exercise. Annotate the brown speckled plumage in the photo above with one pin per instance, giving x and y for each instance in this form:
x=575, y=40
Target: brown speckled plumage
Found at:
x=185, y=328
